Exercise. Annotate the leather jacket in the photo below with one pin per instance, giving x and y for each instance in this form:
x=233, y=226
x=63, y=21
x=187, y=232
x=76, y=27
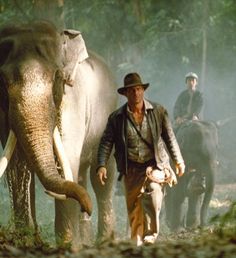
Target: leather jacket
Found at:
x=116, y=134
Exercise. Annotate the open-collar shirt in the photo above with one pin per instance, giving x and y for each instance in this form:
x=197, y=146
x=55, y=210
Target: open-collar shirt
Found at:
x=138, y=150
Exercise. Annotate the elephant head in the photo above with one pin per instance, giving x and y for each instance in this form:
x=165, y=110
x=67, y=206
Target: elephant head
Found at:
x=31, y=90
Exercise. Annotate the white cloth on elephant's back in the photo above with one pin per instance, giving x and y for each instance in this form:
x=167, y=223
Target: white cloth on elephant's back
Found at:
x=76, y=48
x=74, y=51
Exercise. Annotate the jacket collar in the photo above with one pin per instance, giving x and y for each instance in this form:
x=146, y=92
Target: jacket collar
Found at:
x=148, y=105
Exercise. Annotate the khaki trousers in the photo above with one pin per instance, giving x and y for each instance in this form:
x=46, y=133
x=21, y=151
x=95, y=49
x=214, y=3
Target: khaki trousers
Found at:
x=143, y=200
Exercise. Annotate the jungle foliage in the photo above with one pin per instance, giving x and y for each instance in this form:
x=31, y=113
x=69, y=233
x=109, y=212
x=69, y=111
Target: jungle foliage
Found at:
x=162, y=39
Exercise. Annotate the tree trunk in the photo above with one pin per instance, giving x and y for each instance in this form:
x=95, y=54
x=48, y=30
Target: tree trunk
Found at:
x=50, y=10
x=204, y=49
x=137, y=7
x=204, y=44
x=204, y=57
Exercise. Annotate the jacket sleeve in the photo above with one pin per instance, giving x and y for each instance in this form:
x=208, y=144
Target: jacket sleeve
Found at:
x=198, y=104
x=169, y=138
x=106, y=144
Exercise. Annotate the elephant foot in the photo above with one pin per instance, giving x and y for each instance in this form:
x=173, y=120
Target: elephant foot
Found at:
x=86, y=230
x=179, y=230
x=192, y=223
x=195, y=230
x=38, y=240
x=26, y=237
x=103, y=239
x=65, y=241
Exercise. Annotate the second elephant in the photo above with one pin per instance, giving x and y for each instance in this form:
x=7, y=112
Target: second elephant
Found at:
x=198, y=141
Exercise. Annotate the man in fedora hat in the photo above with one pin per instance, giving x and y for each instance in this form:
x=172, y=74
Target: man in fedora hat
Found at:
x=139, y=130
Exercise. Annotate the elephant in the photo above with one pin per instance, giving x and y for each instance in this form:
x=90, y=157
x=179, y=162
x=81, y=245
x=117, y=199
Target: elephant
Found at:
x=55, y=97
x=198, y=141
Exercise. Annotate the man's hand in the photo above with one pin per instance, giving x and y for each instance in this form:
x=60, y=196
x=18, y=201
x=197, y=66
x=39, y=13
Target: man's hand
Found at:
x=180, y=168
x=180, y=120
x=102, y=174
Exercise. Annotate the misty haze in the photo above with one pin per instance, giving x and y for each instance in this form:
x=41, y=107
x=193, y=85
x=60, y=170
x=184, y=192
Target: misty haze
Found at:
x=162, y=41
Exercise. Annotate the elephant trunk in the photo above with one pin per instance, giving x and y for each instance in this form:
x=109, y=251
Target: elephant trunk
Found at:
x=33, y=114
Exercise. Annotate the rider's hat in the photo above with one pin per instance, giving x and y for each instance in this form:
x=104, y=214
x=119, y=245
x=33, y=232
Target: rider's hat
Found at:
x=191, y=75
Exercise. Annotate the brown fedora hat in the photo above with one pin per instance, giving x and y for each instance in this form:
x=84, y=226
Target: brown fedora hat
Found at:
x=132, y=80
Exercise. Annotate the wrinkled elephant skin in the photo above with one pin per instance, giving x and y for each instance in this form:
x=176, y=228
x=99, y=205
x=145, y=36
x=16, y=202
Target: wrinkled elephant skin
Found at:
x=198, y=142
x=44, y=83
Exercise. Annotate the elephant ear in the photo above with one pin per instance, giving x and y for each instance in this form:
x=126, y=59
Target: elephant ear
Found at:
x=74, y=51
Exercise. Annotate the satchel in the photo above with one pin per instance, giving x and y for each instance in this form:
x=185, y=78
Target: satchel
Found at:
x=165, y=176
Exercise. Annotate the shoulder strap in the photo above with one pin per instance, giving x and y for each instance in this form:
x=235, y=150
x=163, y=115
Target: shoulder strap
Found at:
x=150, y=146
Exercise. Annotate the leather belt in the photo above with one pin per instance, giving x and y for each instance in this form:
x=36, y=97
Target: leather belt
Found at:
x=138, y=165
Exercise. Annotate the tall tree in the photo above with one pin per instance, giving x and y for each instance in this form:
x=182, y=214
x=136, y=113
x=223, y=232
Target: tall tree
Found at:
x=52, y=10
x=204, y=43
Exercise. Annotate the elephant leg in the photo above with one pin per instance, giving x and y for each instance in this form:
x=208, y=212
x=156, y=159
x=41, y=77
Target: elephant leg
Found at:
x=73, y=228
x=193, y=210
x=67, y=230
x=168, y=205
x=21, y=183
x=176, y=199
x=85, y=222
x=210, y=184
x=203, y=213
x=177, y=218
x=106, y=222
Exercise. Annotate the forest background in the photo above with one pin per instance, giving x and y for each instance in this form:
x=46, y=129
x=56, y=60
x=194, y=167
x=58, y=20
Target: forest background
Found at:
x=162, y=40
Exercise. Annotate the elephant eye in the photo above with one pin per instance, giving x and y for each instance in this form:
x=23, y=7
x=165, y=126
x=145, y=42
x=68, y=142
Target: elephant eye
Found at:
x=5, y=48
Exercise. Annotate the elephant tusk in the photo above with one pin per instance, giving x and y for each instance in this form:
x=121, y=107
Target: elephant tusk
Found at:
x=60, y=152
x=7, y=152
x=64, y=162
x=61, y=197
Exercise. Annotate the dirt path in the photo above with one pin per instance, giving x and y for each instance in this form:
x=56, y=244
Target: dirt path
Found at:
x=197, y=243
